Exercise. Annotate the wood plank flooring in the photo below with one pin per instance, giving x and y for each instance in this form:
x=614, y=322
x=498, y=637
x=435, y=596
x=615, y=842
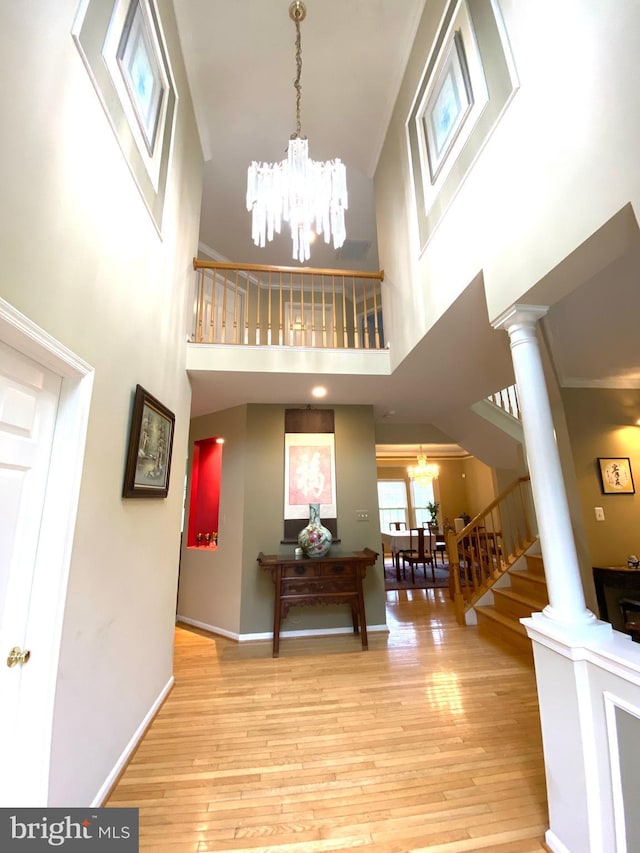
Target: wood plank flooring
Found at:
x=430, y=741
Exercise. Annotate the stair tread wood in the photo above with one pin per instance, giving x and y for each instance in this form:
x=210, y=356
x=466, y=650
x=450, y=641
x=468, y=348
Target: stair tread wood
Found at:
x=489, y=612
x=527, y=600
x=528, y=575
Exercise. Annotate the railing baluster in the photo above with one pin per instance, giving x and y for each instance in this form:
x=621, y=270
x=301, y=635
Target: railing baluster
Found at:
x=236, y=329
x=269, y=309
x=335, y=312
x=356, y=337
x=200, y=317
x=212, y=307
x=345, y=334
x=365, y=324
x=281, y=312
x=246, y=309
x=313, y=310
x=258, y=327
x=324, y=315
x=223, y=336
x=376, y=332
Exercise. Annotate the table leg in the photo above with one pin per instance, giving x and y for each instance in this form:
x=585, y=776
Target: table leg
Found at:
x=277, y=612
x=354, y=617
x=361, y=612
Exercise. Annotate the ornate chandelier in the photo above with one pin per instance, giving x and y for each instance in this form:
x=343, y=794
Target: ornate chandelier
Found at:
x=424, y=472
x=310, y=195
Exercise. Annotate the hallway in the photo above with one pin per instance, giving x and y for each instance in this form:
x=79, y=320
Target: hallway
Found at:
x=428, y=741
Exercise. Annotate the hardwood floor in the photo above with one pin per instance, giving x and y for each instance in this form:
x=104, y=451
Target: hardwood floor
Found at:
x=430, y=741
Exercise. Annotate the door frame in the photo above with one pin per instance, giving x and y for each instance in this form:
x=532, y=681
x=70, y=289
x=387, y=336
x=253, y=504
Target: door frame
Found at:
x=51, y=571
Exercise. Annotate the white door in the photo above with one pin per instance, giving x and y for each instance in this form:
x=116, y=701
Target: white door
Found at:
x=29, y=395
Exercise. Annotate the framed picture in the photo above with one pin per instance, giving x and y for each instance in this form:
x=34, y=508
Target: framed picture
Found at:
x=310, y=474
x=150, y=446
x=447, y=106
x=615, y=475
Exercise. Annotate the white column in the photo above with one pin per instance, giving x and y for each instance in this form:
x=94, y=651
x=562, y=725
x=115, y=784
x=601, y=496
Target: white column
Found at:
x=566, y=597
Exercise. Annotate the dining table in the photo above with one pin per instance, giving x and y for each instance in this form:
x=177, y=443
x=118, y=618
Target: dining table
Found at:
x=396, y=542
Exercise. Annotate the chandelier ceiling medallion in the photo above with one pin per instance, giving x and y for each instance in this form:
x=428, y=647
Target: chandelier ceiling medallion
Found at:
x=310, y=195
x=424, y=472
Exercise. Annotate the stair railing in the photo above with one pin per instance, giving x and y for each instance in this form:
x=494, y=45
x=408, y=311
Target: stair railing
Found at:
x=489, y=545
x=259, y=305
x=507, y=400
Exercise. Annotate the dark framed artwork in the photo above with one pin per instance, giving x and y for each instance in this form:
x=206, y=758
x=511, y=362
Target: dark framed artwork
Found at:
x=615, y=475
x=150, y=446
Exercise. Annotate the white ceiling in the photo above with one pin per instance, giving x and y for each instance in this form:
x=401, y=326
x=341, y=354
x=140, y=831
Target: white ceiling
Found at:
x=240, y=59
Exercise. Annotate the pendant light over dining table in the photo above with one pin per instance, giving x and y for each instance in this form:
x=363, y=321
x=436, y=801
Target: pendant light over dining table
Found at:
x=424, y=473
x=310, y=195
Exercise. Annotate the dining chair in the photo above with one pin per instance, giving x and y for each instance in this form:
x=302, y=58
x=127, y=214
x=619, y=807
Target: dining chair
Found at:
x=440, y=545
x=421, y=554
x=397, y=554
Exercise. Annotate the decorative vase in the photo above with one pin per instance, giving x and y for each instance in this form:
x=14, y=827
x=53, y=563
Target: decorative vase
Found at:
x=314, y=539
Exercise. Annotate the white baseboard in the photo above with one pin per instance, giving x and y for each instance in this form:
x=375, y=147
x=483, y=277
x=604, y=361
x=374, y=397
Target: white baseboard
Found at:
x=554, y=843
x=311, y=632
x=268, y=635
x=212, y=629
x=121, y=763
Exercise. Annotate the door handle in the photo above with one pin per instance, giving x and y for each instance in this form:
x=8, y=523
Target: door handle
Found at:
x=16, y=655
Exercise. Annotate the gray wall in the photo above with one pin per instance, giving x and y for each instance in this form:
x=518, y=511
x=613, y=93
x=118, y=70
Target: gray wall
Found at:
x=225, y=589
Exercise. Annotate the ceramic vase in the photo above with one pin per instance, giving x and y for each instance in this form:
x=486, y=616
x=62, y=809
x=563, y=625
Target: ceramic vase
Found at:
x=314, y=539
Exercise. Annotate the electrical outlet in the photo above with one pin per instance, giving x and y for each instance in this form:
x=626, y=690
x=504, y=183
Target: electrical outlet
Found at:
x=362, y=515
x=599, y=513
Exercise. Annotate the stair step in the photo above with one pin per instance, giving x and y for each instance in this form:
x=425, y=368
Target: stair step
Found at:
x=513, y=604
x=530, y=585
x=535, y=564
x=495, y=625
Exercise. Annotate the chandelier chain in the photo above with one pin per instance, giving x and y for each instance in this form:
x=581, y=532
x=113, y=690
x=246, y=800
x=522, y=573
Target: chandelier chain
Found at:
x=296, y=83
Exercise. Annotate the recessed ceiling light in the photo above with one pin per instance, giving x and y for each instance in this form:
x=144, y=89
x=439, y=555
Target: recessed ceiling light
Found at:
x=220, y=440
x=319, y=391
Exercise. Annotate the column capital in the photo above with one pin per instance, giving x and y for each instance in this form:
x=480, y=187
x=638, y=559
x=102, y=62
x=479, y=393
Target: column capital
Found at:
x=519, y=315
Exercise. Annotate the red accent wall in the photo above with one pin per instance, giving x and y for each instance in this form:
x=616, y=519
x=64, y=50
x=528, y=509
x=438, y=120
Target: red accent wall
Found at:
x=204, y=499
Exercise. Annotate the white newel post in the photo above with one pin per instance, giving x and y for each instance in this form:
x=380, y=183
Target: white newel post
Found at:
x=580, y=805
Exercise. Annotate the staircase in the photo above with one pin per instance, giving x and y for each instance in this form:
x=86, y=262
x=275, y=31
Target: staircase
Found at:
x=526, y=594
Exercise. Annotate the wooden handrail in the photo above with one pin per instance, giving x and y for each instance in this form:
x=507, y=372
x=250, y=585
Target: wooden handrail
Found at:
x=489, y=545
x=223, y=265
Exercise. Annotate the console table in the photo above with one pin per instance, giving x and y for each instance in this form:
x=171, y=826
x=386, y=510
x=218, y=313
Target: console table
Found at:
x=613, y=583
x=334, y=579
